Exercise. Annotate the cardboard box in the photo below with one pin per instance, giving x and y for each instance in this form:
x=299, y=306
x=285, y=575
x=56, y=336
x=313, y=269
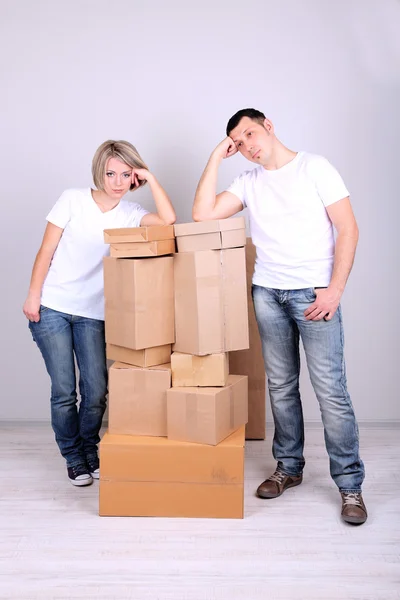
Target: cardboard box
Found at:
x=210, y=301
x=148, y=357
x=139, y=301
x=211, y=235
x=207, y=415
x=139, y=234
x=251, y=363
x=206, y=371
x=150, y=476
x=137, y=249
x=138, y=399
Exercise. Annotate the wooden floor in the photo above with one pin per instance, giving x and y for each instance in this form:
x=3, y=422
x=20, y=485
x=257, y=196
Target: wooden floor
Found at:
x=53, y=544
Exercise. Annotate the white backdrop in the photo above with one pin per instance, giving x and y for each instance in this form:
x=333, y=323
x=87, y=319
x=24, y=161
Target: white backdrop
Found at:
x=167, y=76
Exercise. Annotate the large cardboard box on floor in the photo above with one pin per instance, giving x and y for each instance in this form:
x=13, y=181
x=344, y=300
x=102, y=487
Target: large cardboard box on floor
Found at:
x=139, y=301
x=138, y=399
x=250, y=362
x=147, y=357
x=211, y=235
x=189, y=370
x=153, y=476
x=210, y=301
x=207, y=415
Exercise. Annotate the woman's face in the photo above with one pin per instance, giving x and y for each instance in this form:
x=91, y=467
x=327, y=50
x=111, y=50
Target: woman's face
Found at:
x=117, y=178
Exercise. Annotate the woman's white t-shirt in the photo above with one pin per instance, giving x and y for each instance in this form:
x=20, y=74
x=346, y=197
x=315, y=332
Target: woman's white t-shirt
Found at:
x=289, y=224
x=74, y=283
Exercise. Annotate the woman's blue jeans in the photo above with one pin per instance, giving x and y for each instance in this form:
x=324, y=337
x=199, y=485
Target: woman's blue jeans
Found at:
x=61, y=337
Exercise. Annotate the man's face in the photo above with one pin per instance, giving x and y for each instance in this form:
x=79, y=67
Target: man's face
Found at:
x=253, y=140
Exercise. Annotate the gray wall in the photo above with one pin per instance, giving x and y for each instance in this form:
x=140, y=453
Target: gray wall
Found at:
x=167, y=76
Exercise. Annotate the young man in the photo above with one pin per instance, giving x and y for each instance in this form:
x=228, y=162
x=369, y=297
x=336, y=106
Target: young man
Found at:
x=295, y=199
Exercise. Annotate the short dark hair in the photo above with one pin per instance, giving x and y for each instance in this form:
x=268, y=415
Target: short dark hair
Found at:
x=252, y=113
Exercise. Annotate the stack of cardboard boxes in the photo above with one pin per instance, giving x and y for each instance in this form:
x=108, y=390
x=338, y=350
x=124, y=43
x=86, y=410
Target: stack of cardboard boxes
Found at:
x=175, y=451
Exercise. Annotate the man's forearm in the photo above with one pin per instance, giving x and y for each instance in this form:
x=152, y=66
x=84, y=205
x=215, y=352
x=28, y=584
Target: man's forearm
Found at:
x=204, y=201
x=345, y=249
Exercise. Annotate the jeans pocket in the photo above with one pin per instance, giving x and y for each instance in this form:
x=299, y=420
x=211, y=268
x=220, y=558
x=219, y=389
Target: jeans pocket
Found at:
x=310, y=294
x=43, y=308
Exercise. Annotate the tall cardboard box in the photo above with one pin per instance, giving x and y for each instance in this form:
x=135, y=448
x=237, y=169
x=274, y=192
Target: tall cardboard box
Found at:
x=207, y=415
x=211, y=235
x=138, y=399
x=210, y=301
x=189, y=370
x=250, y=362
x=139, y=301
x=153, y=476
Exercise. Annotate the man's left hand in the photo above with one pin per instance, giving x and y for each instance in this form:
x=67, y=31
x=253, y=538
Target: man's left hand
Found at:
x=325, y=305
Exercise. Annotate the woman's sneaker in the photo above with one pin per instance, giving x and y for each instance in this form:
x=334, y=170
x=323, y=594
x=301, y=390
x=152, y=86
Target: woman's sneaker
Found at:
x=79, y=475
x=93, y=466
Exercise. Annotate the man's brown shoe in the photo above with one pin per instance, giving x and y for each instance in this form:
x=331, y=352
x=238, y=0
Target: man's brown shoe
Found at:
x=353, y=508
x=275, y=485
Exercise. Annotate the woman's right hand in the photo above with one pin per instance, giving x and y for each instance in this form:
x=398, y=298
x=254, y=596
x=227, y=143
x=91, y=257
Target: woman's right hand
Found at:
x=31, y=308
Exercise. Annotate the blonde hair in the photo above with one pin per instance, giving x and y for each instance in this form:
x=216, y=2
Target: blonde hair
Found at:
x=120, y=150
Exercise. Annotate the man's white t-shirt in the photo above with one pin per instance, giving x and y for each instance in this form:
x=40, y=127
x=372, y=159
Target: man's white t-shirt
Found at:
x=289, y=224
x=74, y=283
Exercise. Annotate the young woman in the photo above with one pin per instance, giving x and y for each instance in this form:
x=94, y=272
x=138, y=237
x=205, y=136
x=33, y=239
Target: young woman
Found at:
x=65, y=304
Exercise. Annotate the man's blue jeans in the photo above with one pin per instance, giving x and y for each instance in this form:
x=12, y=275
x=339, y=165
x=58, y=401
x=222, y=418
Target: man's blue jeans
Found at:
x=281, y=322
x=59, y=337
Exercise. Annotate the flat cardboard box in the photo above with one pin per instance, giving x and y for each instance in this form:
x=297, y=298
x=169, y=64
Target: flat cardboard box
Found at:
x=139, y=301
x=207, y=415
x=138, y=399
x=137, y=249
x=211, y=235
x=152, y=476
x=210, y=301
x=148, y=357
x=250, y=362
x=139, y=234
x=212, y=241
x=200, y=227
x=205, y=371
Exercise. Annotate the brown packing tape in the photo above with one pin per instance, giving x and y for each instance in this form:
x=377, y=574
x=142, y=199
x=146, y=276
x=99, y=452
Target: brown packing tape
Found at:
x=191, y=416
x=231, y=408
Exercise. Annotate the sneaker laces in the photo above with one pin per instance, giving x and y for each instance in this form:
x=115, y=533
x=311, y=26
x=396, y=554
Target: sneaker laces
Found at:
x=79, y=470
x=278, y=476
x=353, y=498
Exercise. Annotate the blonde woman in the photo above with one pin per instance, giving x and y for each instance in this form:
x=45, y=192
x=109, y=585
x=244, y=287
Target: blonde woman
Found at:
x=65, y=305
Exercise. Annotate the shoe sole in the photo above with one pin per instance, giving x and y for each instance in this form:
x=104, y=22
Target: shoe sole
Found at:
x=266, y=497
x=81, y=483
x=95, y=475
x=354, y=520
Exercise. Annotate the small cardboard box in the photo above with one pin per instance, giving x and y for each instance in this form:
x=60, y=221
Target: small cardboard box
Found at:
x=210, y=301
x=148, y=357
x=207, y=415
x=205, y=371
x=153, y=476
x=139, y=301
x=211, y=235
x=250, y=362
x=138, y=399
x=137, y=249
x=139, y=234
